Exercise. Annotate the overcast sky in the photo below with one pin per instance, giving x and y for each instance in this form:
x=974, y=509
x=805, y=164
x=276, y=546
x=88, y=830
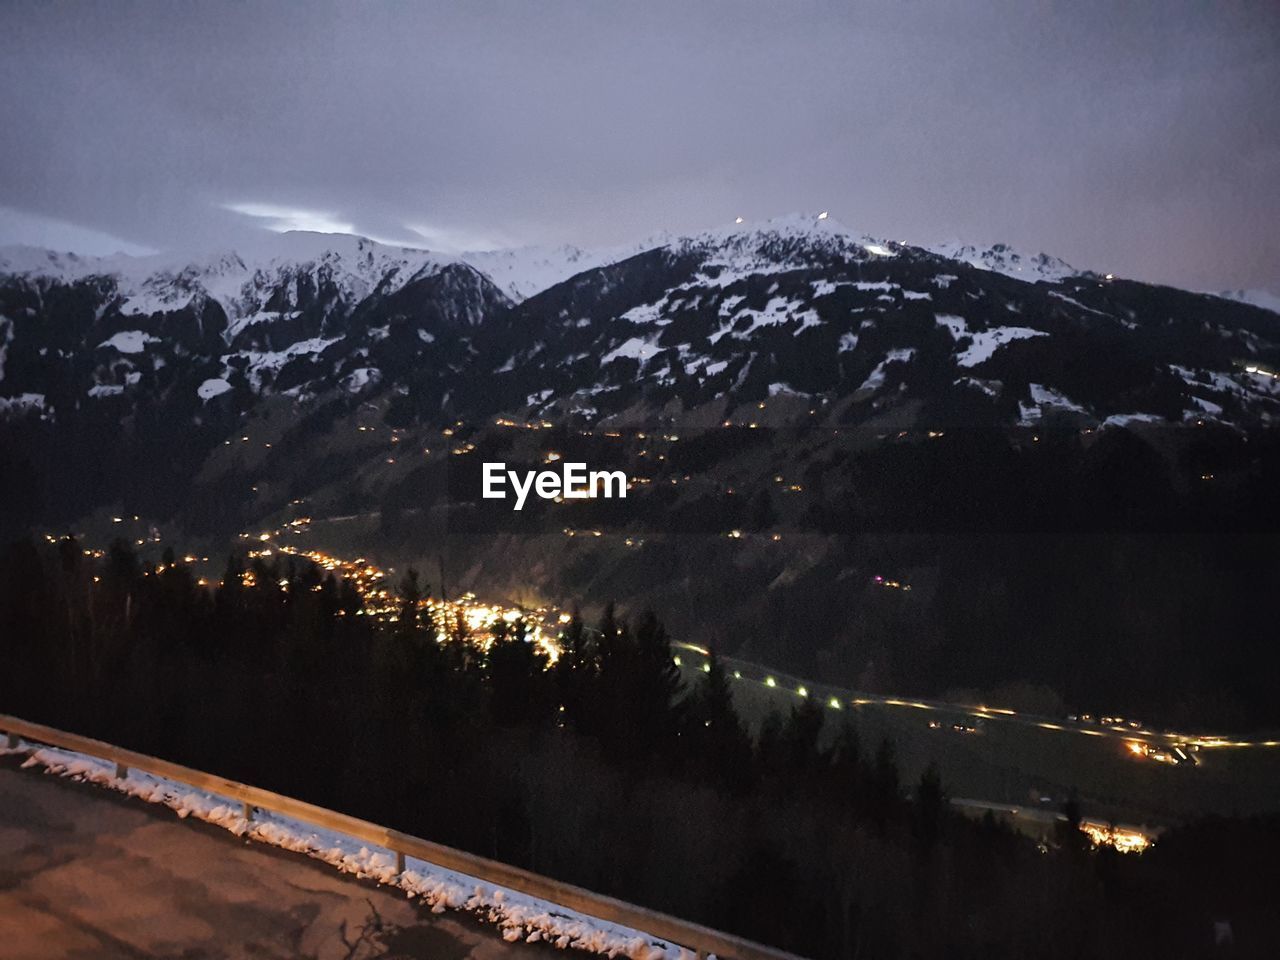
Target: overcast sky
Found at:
x=1138, y=138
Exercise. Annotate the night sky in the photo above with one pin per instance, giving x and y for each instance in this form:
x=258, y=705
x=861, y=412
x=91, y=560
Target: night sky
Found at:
x=1137, y=138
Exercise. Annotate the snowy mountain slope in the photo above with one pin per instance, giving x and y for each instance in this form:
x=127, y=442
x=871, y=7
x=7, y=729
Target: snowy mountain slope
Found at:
x=239, y=280
x=122, y=367
x=1002, y=258
x=804, y=305
x=795, y=305
x=522, y=272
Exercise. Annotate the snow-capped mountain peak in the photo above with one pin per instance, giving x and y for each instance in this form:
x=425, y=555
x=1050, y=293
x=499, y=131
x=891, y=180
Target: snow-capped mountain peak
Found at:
x=237, y=278
x=520, y=272
x=1002, y=258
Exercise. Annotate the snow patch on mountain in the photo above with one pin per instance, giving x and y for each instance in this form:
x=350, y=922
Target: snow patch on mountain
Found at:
x=983, y=343
x=876, y=380
x=521, y=272
x=261, y=363
x=213, y=387
x=6, y=338
x=1128, y=419
x=636, y=348
x=1002, y=258
x=1048, y=397
x=238, y=279
x=130, y=341
x=25, y=403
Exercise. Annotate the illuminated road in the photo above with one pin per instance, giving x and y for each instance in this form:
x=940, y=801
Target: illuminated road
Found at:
x=380, y=600
x=86, y=874
x=837, y=699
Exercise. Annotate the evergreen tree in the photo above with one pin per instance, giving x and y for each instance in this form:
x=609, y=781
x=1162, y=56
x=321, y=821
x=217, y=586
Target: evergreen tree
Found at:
x=929, y=808
x=521, y=691
x=801, y=741
x=718, y=746
x=574, y=674
x=884, y=797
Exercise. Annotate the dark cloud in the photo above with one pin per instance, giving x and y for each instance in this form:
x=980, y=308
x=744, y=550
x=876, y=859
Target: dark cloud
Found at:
x=1138, y=138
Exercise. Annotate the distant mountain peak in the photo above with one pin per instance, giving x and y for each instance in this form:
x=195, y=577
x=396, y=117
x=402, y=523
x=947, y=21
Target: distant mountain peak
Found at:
x=1005, y=259
x=236, y=275
x=1257, y=298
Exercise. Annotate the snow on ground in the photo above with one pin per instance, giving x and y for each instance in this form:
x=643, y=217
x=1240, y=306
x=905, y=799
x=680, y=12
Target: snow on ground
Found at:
x=1204, y=408
x=783, y=389
x=1247, y=384
x=243, y=323
x=1076, y=303
x=957, y=325
x=520, y=917
x=261, y=362
x=1001, y=258
x=984, y=342
x=236, y=278
x=1048, y=397
x=991, y=388
x=130, y=341
x=106, y=390
x=638, y=348
x=6, y=338
x=876, y=380
x=213, y=387
x=24, y=403
x=1125, y=419
x=521, y=272
x=647, y=314
x=361, y=377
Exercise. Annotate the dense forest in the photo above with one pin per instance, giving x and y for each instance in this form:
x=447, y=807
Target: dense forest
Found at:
x=600, y=769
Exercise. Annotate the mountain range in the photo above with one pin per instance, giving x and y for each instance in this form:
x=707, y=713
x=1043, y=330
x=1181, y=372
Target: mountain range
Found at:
x=832, y=412
x=798, y=306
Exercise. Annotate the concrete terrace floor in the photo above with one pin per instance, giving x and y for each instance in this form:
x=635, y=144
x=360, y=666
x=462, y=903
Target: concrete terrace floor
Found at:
x=86, y=873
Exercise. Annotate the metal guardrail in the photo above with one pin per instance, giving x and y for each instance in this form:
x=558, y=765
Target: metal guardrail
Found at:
x=702, y=940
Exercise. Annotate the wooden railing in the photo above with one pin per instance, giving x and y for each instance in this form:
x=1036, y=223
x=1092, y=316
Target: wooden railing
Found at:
x=702, y=940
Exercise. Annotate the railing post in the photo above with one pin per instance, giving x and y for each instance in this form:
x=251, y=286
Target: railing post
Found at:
x=246, y=809
x=13, y=741
x=399, y=862
x=121, y=771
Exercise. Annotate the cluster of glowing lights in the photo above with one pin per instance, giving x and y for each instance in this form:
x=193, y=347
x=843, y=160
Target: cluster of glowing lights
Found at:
x=465, y=616
x=880, y=581
x=522, y=425
x=1174, y=754
x=1123, y=839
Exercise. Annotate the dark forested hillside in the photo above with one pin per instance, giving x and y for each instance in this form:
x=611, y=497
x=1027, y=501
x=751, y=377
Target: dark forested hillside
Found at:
x=799, y=837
